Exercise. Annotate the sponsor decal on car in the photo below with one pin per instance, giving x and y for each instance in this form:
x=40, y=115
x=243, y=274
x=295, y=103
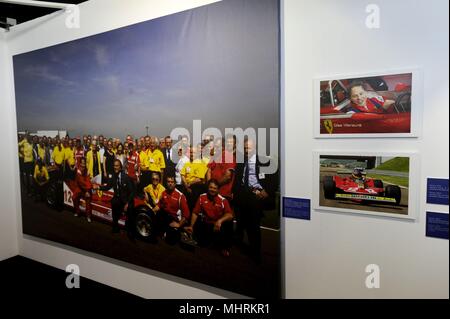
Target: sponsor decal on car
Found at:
x=366, y=197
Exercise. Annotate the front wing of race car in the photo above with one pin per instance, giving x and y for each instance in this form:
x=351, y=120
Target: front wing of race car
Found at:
x=363, y=197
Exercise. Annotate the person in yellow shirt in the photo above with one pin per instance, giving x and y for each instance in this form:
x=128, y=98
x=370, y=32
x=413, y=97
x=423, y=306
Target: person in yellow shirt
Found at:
x=40, y=179
x=93, y=161
x=58, y=159
x=58, y=155
x=69, y=159
x=21, y=165
x=146, y=175
x=154, y=191
x=41, y=151
x=193, y=176
x=155, y=158
x=28, y=163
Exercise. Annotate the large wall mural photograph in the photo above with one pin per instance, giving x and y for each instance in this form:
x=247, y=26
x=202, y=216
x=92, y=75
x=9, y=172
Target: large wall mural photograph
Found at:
x=157, y=144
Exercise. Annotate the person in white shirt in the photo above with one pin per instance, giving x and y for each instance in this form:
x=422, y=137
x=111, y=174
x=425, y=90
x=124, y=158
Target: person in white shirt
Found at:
x=182, y=153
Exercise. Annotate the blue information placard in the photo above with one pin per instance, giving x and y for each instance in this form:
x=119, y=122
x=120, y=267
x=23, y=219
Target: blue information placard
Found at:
x=437, y=225
x=437, y=191
x=299, y=208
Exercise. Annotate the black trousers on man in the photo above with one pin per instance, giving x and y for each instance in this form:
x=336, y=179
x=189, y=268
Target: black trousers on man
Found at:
x=28, y=168
x=40, y=191
x=205, y=234
x=118, y=206
x=249, y=211
x=162, y=221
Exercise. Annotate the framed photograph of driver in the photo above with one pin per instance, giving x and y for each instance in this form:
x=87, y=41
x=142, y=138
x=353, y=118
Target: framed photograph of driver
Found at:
x=383, y=184
x=368, y=105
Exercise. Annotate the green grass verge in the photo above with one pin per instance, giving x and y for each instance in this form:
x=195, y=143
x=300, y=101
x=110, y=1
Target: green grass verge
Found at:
x=398, y=164
x=400, y=181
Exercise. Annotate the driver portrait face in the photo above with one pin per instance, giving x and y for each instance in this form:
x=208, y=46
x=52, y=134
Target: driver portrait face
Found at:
x=358, y=96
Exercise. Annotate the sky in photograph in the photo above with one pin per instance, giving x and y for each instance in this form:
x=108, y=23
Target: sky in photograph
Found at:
x=218, y=63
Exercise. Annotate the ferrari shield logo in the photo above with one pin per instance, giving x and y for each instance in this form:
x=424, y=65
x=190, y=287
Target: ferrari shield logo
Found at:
x=329, y=126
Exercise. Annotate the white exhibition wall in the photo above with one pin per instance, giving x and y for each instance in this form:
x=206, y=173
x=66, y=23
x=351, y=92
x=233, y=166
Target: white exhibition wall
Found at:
x=8, y=196
x=325, y=257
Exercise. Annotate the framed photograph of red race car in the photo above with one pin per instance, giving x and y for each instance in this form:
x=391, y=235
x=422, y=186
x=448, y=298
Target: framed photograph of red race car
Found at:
x=366, y=183
x=368, y=105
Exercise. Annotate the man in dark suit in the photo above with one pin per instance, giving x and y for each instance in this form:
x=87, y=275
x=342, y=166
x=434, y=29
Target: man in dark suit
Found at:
x=123, y=200
x=253, y=192
x=169, y=157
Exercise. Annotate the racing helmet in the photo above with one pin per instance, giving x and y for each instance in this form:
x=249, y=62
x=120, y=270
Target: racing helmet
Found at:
x=358, y=173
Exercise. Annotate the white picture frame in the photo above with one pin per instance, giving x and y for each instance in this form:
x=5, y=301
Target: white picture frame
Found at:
x=413, y=203
x=342, y=123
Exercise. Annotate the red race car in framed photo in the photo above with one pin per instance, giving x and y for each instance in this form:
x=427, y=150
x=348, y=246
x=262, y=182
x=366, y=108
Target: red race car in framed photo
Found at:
x=359, y=189
x=364, y=182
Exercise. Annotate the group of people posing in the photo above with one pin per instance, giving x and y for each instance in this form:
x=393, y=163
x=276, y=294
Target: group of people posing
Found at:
x=194, y=189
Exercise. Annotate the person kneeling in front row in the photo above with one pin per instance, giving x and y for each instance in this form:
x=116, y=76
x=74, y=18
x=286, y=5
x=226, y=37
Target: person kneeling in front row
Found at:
x=212, y=219
x=171, y=212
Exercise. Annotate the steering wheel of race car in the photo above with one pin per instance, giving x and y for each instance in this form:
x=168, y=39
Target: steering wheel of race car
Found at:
x=403, y=103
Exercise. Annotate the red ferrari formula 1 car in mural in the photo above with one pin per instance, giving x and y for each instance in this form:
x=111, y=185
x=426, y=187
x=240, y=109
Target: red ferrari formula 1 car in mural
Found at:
x=338, y=116
x=358, y=188
x=60, y=195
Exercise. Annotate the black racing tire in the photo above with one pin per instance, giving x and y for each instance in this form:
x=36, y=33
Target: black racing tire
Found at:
x=144, y=225
x=53, y=196
x=329, y=187
x=393, y=191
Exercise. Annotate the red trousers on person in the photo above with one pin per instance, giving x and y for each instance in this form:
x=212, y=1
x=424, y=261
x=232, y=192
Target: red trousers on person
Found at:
x=76, y=203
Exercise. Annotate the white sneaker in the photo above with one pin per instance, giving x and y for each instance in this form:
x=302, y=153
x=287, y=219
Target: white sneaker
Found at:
x=89, y=219
x=75, y=215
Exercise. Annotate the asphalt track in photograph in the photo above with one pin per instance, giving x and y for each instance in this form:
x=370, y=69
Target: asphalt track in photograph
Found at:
x=402, y=209
x=238, y=273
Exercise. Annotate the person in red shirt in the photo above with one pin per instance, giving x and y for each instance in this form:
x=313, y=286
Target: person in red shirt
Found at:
x=79, y=153
x=223, y=166
x=83, y=187
x=172, y=212
x=133, y=163
x=212, y=219
x=363, y=101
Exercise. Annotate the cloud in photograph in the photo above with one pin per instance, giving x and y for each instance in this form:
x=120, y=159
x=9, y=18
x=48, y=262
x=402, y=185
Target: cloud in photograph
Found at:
x=218, y=64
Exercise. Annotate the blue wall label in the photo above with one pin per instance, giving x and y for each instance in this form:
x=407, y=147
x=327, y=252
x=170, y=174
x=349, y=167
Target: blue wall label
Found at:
x=437, y=225
x=437, y=191
x=299, y=208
